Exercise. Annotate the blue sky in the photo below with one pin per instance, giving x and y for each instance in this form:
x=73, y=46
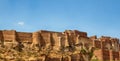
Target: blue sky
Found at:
x=96, y=17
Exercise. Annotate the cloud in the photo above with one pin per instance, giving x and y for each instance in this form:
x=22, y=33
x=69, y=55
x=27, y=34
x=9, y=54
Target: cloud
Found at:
x=21, y=23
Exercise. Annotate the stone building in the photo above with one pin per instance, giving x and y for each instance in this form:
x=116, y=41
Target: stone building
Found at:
x=106, y=48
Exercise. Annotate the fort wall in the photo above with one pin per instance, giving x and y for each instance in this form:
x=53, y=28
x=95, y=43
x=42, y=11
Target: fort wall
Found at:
x=1, y=35
x=23, y=37
x=107, y=48
x=9, y=35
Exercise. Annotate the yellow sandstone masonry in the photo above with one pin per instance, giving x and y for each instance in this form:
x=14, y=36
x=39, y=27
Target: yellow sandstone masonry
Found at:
x=68, y=43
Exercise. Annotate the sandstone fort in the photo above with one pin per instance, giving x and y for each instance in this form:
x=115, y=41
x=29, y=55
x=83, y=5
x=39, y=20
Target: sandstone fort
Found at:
x=70, y=45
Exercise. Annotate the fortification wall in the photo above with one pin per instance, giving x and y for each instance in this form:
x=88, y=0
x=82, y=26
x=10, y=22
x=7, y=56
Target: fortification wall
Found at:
x=99, y=54
x=93, y=37
x=71, y=37
x=9, y=35
x=114, y=55
x=97, y=44
x=108, y=48
x=36, y=38
x=106, y=55
x=24, y=37
x=81, y=34
x=1, y=35
x=45, y=36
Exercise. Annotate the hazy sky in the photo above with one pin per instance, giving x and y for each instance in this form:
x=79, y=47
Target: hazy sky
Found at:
x=97, y=17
